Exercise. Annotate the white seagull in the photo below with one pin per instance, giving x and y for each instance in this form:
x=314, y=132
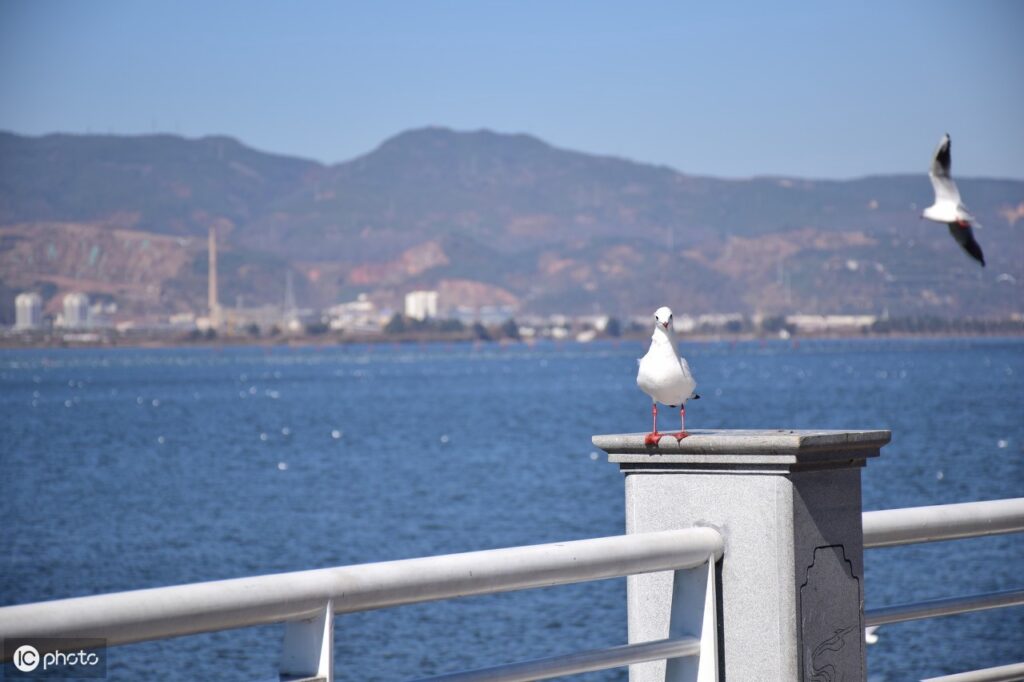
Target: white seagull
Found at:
x=947, y=207
x=665, y=376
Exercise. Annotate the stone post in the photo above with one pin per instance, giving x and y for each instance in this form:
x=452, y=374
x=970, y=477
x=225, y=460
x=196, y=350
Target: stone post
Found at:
x=788, y=505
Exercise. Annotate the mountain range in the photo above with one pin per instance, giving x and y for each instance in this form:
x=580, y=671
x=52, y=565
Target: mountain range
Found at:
x=486, y=219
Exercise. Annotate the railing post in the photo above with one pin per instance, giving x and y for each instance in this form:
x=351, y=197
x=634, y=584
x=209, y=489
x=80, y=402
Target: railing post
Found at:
x=694, y=613
x=788, y=505
x=307, y=654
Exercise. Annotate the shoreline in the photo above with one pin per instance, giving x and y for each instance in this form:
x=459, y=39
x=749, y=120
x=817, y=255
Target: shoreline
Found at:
x=321, y=341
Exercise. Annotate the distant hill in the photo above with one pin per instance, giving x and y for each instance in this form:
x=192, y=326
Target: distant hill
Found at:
x=486, y=217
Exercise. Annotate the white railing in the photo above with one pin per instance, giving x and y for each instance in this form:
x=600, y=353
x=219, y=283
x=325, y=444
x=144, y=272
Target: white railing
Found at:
x=1003, y=673
x=308, y=600
x=896, y=527
x=893, y=527
x=583, y=662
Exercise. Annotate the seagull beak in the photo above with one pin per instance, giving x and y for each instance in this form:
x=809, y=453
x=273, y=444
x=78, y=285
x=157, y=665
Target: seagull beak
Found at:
x=665, y=325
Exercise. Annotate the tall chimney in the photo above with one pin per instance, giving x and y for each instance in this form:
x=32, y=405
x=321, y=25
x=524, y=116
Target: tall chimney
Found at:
x=212, y=303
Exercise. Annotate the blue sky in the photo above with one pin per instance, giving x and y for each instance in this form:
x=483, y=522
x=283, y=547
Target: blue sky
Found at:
x=731, y=89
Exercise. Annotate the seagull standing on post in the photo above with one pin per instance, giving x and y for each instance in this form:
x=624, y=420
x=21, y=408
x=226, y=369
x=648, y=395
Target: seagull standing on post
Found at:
x=947, y=207
x=665, y=376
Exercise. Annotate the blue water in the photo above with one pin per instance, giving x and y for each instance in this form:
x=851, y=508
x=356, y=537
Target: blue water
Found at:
x=124, y=469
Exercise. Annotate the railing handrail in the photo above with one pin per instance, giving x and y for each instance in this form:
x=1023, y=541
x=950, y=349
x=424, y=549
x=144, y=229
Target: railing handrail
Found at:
x=911, y=525
x=163, y=612
x=577, y=663
x=158, y=613
x=1002, y=673
x=947, y=606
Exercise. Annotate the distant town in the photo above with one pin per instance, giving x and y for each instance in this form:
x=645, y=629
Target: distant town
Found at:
x=425, y=317
x=81, y=322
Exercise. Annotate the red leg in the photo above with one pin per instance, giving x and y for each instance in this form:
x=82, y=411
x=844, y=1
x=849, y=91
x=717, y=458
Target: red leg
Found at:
x=653, y=437
x=682, y=424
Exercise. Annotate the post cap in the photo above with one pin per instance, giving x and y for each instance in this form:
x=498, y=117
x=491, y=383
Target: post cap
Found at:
x=746, y=448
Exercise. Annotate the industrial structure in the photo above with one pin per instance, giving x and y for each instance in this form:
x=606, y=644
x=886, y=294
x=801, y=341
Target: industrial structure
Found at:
x=76, y=310
x=28, y=311
x=420, y=305
x=212, y=303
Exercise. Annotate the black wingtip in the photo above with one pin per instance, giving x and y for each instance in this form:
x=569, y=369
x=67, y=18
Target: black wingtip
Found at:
x=696, y=397
x=975, y=250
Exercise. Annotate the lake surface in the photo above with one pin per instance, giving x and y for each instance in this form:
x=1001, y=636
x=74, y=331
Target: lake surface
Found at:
x=125, y=469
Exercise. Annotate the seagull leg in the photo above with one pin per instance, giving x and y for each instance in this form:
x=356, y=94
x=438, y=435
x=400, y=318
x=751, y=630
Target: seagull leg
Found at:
x=653, y=437
x=682, y=424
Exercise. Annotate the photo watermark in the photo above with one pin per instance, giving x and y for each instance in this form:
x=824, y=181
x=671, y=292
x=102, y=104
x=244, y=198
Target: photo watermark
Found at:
x=52, y=657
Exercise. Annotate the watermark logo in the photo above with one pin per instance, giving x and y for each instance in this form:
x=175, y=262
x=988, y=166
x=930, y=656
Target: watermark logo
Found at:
x=26, y=658
x=39, y=658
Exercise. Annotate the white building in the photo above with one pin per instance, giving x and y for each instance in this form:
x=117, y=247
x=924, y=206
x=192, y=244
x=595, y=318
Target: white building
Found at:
x=830, y=323
x=684, y=323
x=28, y=311
x=76, y=310
x=420, y=305
x=718, y=320
x=360, y=315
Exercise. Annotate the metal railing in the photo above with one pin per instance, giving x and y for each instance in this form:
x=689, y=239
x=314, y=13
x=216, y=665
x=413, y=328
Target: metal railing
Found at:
x=308, y=600
x=894, y=527
x=1002, y=673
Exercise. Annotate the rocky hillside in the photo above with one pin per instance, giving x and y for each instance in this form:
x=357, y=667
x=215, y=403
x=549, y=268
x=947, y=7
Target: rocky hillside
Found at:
x=486, y=218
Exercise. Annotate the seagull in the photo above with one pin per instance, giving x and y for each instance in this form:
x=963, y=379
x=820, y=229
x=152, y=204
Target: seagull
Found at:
x=665, y=376
x=947, y=207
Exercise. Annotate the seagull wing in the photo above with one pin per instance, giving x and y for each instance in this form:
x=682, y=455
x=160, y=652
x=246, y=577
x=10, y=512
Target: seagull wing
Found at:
x=964, y=236
x=939, y=174
x=688, y=377
x=942, y=162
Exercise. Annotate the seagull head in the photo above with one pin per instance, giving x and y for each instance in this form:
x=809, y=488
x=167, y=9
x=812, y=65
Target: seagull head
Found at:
x=663, y=318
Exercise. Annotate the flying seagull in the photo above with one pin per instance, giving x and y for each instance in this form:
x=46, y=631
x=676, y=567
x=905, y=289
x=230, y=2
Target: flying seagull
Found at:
x=665, y=376
x=947, y=207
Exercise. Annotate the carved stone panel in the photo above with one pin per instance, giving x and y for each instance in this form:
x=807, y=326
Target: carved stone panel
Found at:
x=830, y=619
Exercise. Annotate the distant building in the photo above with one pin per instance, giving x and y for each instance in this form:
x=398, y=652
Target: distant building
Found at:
x=182, y=321
x=101, y=313
x=683, y=323
x=28, y=311
x=830, y=323
x=360, y=315
x=495, y=314
x=420, y=305
x=597, y=322
x=264, y=317
x=719, y=320
x=76, y=310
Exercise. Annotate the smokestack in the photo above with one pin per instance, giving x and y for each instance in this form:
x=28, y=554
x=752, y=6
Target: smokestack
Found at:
x=211, y=292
